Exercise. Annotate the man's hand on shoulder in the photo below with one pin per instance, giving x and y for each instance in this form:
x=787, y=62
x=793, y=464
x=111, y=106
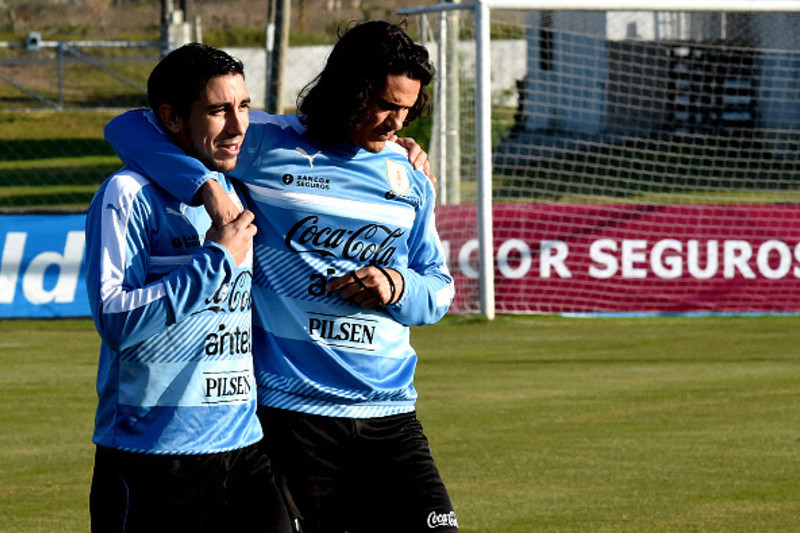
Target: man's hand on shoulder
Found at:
x=236, y=236
x=416, y=156
x=219, y=205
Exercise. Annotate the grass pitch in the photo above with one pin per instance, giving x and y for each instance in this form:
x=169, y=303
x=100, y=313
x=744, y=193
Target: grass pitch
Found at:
x=537, y=424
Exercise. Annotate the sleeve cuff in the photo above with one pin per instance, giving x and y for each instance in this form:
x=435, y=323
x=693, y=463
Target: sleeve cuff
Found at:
x=229, y=260
x=197, y=183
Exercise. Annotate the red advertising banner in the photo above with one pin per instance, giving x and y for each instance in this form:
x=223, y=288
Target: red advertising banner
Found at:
x=630, y=258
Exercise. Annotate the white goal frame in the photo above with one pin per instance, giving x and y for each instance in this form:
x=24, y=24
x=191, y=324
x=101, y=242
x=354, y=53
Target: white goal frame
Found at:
x=482, y=11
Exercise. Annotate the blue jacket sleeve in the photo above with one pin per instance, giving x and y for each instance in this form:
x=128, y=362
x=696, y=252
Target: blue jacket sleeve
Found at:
x=429, y=288
x=127, y=306
x=142, y=145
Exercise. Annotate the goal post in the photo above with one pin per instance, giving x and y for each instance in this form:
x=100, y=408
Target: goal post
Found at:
x=620, y=156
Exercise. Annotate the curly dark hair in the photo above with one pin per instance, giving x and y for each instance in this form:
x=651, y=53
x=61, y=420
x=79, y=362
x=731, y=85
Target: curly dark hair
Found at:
x=181, y=76
x=335, y=102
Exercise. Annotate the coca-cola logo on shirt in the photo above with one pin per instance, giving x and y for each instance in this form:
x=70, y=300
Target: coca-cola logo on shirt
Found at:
x=232, y=297
x=371, y=243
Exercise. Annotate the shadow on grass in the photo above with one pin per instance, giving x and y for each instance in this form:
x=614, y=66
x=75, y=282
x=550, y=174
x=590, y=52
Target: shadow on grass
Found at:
x=46, y=177
x=27, y=150
x=48, y=200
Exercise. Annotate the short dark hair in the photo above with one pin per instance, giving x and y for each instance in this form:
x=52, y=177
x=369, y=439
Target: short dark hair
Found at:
x=334, y=103
x=181, y=76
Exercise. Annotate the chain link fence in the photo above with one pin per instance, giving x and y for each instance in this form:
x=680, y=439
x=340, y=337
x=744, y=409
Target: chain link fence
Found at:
x=55, y=97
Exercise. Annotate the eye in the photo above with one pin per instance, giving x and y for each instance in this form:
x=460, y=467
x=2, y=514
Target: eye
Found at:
x=387, y=106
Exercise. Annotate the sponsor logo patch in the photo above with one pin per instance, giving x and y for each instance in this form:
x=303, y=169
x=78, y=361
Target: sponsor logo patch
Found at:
x=309, y=182
x=442, y=520
x=227, y=387
x=344, y=332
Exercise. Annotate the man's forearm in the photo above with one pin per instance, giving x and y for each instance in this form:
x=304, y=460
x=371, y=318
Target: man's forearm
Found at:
x=218, y=203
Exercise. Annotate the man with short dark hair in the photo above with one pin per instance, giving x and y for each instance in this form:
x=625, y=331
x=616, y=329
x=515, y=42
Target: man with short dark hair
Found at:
x=346, y=258
x=176, y=430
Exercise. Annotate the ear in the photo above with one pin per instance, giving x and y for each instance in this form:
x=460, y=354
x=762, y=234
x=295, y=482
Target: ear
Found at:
x=170, y=118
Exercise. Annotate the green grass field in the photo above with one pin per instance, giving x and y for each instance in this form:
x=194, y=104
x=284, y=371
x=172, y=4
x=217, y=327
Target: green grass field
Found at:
x=538, y=424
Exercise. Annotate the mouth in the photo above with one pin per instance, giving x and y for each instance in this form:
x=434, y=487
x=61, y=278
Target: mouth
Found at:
x=384, y=135
x=229, y=147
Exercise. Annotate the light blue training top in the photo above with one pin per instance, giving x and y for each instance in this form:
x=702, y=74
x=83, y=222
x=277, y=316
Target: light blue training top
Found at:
x=320, y=213
x=175, y=374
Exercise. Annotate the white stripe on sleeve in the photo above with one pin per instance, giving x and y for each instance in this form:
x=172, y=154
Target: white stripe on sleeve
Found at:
x=118, y=200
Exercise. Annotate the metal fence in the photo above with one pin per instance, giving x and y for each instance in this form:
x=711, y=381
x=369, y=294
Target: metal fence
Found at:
x=38, y=74
x=56, y=96
x=56, y=160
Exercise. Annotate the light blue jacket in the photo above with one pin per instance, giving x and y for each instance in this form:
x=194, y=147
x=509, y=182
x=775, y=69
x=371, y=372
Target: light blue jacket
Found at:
x=175, y=374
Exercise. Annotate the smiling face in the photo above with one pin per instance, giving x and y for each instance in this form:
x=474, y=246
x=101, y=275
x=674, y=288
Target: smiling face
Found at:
x=386, y=112
x=215, y=128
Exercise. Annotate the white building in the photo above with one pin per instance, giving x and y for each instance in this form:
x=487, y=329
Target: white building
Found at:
x=624, y=72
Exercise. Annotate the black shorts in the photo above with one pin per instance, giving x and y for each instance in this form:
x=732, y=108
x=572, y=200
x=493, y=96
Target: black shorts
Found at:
x=230, y=491
x=358, y=475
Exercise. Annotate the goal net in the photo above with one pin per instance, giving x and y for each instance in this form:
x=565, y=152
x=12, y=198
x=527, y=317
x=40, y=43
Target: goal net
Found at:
x=641, y=161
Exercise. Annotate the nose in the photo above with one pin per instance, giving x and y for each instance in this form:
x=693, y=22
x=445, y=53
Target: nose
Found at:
x=237, y=122
x=397, y=119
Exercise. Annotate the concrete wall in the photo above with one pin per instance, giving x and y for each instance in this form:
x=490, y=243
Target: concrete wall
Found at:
x=303, y=63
